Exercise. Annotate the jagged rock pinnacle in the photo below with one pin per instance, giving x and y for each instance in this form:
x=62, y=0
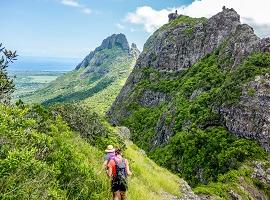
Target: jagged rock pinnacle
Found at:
x=115, y=40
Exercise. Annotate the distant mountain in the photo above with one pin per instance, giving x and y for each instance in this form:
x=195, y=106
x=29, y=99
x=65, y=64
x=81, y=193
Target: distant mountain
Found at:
x=96, y=80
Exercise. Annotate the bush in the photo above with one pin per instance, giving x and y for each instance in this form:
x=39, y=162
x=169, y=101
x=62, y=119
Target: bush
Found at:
x=46, y=160
x=89, y=124
x=6, y=84
x=200, y=156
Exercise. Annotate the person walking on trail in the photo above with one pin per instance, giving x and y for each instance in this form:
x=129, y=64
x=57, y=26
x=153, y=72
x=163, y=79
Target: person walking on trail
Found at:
x=118, y=170
x=110, y=155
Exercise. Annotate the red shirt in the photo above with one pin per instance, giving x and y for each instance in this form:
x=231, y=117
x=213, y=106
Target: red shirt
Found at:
x=112, y=165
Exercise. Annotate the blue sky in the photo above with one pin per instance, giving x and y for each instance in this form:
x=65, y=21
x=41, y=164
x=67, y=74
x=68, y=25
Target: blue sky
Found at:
x=51, y=28
x=72, y=28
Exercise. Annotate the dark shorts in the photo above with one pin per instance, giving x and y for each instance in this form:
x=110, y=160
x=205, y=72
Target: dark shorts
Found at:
x=119, y=186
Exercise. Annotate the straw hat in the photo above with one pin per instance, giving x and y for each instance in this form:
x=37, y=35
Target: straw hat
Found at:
x=110, y=149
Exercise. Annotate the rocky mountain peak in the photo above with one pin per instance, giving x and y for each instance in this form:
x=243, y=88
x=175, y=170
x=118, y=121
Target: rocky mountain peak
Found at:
x=134, y=51
x=119, y=40
x=185, y=40
x=179, y=45
x=115, y=40
x=133, y=45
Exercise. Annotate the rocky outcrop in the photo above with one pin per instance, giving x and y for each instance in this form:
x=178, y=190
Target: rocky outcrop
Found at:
x=151, y=98
x=134, y=51
x=250, y=118
x=119, y=40
x=262, y=172
x=175, y=48
x=179, y=45
x=114, y=40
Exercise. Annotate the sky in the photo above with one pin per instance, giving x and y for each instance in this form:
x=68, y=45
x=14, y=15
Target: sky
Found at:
x=72, y=28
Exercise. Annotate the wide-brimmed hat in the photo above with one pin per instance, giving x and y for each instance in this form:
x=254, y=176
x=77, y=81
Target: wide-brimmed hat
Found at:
x=110, y=149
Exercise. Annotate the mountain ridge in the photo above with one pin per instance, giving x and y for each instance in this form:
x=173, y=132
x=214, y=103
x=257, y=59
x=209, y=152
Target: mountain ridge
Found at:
x=238, y=39
x=194, y=101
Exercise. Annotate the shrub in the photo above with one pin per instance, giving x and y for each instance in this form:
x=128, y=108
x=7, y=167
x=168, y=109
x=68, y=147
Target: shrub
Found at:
x=46, y=160
x=6, y=84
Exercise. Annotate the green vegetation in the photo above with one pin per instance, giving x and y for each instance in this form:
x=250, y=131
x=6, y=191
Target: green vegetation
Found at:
x=183, y=19
x=96, y=86
x=42, y=158
x=149, y=181
x=6, y=84
x=201, y=150
x=200, y=156
x=143, y=121
x=56, y=153
x=90, y=125
x=238, y=180
x=28, y=82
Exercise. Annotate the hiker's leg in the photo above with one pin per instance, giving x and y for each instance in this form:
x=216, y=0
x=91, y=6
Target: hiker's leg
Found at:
x=116, y=195
x=123, y=195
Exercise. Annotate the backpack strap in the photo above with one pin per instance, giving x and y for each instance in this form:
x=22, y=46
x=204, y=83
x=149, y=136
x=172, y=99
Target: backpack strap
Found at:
x=116, y=163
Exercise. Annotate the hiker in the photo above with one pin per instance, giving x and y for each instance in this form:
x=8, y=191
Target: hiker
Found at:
x=118, y=172
x=110, y=154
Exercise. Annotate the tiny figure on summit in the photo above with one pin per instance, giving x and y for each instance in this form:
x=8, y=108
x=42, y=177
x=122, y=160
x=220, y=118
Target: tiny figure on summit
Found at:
x=173, y=16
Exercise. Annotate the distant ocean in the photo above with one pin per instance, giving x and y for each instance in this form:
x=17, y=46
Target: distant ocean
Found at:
x=27, y=63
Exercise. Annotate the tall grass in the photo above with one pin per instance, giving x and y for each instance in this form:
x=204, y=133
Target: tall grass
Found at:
x=149, y=181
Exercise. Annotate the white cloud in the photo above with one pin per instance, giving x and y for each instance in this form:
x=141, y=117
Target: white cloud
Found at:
x=72, y=3
x=87, y=11
x=120, y=26
x=76, y=4
x=255, y=13
x=150, y=18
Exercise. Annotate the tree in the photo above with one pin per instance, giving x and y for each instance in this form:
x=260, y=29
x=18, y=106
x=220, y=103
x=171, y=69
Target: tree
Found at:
x=6, y=84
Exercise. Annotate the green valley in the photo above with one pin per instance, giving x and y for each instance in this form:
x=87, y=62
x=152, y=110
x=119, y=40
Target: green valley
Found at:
x=27, y=82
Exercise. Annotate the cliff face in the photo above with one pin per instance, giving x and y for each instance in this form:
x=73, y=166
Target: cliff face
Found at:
x=250, y=118
x=115, y=40
x=182, y=42
x=179, y=45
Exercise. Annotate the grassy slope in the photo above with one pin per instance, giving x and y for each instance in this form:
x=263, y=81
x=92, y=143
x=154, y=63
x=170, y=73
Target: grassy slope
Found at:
x=149, y=181
x=97, y=90
x=41, y=158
